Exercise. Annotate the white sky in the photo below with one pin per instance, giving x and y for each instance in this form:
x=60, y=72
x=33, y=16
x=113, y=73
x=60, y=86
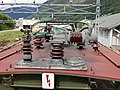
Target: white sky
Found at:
x=18, y=1
x=22, y=1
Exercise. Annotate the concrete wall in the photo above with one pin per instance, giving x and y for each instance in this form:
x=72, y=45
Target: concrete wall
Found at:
x=115, y=38
x=109, y=37
x=104, y=37
x=26, y=22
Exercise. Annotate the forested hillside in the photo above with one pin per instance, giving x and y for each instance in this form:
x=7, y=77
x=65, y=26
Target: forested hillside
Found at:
x=21, y=9
x=6, y=26
x=107, y=7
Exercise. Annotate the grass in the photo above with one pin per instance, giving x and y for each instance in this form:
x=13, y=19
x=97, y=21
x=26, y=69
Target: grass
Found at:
x=5, y=88
x=8, y=37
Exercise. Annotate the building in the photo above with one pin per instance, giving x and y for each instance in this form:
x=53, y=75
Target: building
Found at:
x=109, y=33
x=26, y=23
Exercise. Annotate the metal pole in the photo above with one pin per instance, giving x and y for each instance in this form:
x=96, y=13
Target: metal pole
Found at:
x=97, y=17
x=52, y=16
x=64, y=9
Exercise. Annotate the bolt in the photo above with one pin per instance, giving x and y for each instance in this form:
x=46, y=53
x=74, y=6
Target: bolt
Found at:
x=49, y=66
x=10, y=66
x=93, y=72
x=84, y=54
x=91, y=69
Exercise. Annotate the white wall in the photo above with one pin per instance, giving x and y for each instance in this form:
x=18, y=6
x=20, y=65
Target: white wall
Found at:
x=26, y=22
x=104, y=37
x=116, y=39
x=109, y=38
x=104, y=41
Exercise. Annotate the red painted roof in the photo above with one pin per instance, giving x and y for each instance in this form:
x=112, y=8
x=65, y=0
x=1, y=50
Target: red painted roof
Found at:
x=112, y=56
x=98, y=65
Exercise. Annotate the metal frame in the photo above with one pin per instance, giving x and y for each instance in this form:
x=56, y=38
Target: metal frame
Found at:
x=53, y=8
x=97, y=17
x=60, y=9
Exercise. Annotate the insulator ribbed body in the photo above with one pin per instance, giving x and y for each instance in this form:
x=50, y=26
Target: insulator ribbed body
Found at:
x=26, y=46
x=27, y=56
x=57, y=51
x=75, y=37
x=38, y=42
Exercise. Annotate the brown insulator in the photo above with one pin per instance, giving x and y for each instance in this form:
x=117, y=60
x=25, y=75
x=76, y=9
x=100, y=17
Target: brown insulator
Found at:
x=57, y=48
x=26, y=47
x=75, y=37
x=57, y=51
x=38, y=42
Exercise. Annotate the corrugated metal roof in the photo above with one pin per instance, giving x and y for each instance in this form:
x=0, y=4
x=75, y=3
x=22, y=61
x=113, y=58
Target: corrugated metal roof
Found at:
x=110, y=21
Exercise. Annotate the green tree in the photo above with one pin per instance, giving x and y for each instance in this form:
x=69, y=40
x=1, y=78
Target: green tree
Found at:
x=6, y=26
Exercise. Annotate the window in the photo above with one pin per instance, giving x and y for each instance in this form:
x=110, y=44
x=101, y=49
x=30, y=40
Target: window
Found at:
x=106, y=33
